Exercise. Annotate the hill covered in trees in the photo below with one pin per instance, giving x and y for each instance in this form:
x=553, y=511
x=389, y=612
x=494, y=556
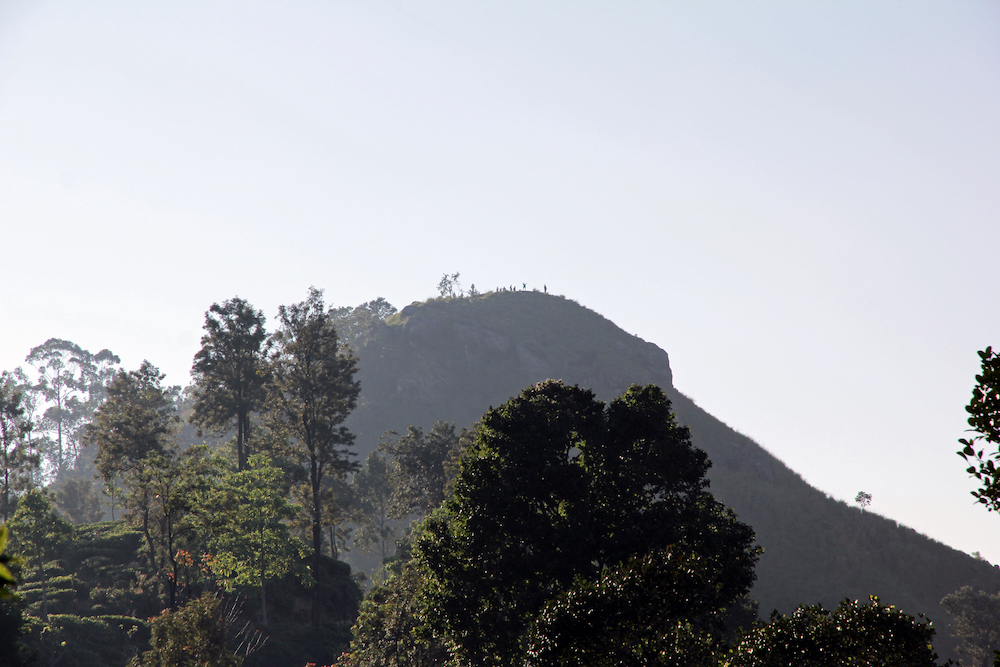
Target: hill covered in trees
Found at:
x=454, y=358
x=235, y=501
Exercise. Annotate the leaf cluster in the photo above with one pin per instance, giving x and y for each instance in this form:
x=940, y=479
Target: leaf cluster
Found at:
x=855, y=633
x=984, y=420
x=559, y=491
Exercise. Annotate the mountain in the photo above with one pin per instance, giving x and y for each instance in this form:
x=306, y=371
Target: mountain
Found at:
x=454, y=358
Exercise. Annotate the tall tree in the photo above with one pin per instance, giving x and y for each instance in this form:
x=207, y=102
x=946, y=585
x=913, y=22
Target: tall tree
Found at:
x=71, y=380
x=138, y=419
x=18, y=457
x=560, y=494
x=372, y=510
x=254, y=545
x=313, y=392
x=229, y=371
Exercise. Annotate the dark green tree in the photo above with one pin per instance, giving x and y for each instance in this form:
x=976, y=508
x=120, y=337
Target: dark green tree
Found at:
x=855, y=633
x=389, y=632
x=981, y=450
x=160, y=498
x=558, y=491
x=253, y=545
x=39, y=531
x=313, y=390
x=976, y=616
x=229, y=371
x=420, y=467
x=18, y=457
x=193, y=636
x=138, y=419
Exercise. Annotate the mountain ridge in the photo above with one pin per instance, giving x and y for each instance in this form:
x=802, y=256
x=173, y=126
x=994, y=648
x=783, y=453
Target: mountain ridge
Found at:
x=454, y=358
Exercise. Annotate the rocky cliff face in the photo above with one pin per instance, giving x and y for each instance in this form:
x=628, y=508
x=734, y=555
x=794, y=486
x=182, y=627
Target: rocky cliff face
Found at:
x=453, y=359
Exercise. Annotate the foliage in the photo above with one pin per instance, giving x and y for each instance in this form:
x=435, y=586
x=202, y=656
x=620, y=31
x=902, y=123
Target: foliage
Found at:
x=161, y=500
x=644, y=611
x=18, y=456
x=976, y=617
x=372, y=507
x=556, y=490
x=389, y=632
x=138, y=419
x=863, y=500
x=85, y=641
x=984, y=418
x=229, y=371
x=39, y=531
x=421, y=466
x=254, y=546
x=853, y=634
x=7, y=580
x=80, y=501
x=313, y=392
x=13, y=651
x=449, y=285
x=357, y=325
x=72, y=381
x=193, y=636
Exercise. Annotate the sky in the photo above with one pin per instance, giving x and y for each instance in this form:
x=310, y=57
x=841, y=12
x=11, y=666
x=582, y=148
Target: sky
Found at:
x=798, y=201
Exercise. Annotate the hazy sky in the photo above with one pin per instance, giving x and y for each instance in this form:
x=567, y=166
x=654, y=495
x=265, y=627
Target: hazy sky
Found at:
x=799, y=201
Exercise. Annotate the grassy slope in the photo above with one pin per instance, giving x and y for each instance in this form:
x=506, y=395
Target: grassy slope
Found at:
x=454, y=358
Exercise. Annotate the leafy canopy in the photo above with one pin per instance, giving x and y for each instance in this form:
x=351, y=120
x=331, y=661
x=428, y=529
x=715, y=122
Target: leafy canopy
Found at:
x=560, y=494
x=984, y=418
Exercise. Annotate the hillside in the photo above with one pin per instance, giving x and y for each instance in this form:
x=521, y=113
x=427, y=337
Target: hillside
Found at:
x=453, y=359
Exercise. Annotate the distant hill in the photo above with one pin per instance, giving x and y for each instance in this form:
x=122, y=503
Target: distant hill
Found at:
x=454, y=358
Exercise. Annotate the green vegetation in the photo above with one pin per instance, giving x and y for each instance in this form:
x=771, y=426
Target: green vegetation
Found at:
x=852, y=634
x=555, y=530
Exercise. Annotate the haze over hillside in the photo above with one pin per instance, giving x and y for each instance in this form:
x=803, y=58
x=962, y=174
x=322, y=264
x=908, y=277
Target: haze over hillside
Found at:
x=454, y=358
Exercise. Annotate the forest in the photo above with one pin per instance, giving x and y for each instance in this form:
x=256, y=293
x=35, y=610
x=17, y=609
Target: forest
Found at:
x=269, y=514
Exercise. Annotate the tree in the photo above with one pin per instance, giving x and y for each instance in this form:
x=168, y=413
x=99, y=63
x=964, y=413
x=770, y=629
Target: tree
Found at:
x=229, y=371
x=313, y=392
x=193, y=636
x=80, y=501
x=863, y=500
x=853, y=634
x=71, y=379
x=389, y=633
x=19, y=459
x=160, y=499
x=253, y=545
x=559, y=492
x=138, y=419
x=420, y=467
x=984, y=418
x=373, y=491
x=449, y=285
x=976, y=616
x=39, y=531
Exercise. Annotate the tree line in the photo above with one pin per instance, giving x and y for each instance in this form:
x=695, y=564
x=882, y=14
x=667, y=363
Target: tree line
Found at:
x=558, y=530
